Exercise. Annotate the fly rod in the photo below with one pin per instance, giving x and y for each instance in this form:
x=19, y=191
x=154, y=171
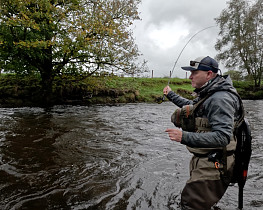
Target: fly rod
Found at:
x=161, y=99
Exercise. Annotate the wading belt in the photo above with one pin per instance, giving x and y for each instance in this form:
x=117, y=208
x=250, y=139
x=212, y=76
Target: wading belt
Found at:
x=228, y=153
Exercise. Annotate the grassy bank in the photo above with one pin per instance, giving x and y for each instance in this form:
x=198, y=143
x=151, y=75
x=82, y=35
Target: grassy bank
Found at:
x=20, y=91
x=149, y=89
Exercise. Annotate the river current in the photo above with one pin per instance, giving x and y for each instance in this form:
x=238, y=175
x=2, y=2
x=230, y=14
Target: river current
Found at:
x=105, y=157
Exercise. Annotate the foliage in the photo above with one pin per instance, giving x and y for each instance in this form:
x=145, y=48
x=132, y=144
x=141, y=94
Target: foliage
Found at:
x=240, y=42
x=235, y=75
x=55, y=37
x=244, y=85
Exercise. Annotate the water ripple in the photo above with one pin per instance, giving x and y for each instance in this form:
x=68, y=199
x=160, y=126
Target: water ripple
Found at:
x=105, y=157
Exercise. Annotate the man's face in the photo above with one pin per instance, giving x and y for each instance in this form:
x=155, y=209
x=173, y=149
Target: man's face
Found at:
x=199, y=78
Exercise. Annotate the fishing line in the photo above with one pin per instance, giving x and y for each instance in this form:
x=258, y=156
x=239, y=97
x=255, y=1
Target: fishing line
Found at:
x=184, y=48
x=162, y=99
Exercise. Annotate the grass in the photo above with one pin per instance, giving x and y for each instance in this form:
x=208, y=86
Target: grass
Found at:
x=149, y=88
x=104, y=89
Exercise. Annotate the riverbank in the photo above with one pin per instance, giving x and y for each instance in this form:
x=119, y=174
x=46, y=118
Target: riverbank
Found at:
x=20, y=91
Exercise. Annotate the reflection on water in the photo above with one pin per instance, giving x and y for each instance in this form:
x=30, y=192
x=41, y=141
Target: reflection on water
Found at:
x=104, y=157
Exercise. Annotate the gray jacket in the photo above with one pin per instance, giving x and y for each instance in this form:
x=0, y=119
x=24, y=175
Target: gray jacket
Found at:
x=221, y=110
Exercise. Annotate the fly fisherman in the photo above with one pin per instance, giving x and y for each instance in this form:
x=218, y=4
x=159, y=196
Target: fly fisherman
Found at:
x=205, y=126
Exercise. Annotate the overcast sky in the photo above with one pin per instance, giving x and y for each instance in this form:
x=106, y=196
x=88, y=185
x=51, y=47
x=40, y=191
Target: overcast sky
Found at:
x=167, y=25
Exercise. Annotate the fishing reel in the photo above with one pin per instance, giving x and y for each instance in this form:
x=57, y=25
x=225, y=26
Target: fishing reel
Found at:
x=160, y=99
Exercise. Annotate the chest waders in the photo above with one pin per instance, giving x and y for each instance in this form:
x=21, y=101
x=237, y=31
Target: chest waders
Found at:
x=240, y=143
x=186, y=119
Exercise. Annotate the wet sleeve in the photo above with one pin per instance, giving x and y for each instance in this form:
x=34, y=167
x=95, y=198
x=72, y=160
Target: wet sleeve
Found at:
x=220, y=113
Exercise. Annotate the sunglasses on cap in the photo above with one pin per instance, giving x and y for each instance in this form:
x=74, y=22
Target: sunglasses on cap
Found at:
x=192, y=63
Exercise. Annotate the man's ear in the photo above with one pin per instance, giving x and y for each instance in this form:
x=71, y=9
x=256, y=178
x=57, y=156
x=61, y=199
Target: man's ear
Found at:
x=210, y=74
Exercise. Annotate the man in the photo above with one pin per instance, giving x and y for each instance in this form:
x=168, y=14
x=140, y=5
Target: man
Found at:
x=209, y=136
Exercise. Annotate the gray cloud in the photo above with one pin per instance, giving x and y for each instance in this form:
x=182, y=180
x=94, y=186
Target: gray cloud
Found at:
x=166, y=26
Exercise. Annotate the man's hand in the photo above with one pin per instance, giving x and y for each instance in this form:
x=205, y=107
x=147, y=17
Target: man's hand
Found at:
x=175, y=134
x=166, y=90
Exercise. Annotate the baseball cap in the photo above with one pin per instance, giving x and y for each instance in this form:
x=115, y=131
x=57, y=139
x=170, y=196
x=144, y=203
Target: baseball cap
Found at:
x=204, y=63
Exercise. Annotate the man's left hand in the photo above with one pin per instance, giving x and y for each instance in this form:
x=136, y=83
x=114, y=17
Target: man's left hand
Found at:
x=175, y=134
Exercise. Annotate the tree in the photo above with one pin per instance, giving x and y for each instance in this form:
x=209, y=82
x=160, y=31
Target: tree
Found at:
x=240, y=42
x=235, y=75
x=52, y=37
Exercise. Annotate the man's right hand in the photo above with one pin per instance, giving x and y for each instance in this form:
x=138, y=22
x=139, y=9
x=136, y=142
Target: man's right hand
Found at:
x=166, y=90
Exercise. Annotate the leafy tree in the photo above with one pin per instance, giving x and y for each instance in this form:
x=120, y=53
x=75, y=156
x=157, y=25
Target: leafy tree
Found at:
x=52, y=37
x=235, y=75
x=240, y=42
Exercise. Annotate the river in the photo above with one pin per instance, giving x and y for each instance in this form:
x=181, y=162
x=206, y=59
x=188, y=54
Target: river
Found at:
x=105, y=157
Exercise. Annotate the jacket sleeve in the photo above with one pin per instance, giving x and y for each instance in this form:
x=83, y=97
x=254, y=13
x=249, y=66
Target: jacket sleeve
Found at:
x=220, y=111
x=178, y=100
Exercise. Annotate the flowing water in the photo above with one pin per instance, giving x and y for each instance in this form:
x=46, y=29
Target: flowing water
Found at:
x=105, y=157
